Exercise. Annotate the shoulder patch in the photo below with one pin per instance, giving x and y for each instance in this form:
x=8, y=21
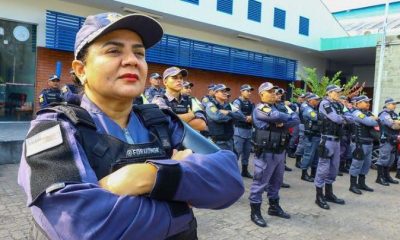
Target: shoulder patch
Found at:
x=361, y=115
x=327, y=107
x=64, y=89
x=44, y=140
x=213, y=109
x=266, y=109
x=313, y=114
x=205, y=100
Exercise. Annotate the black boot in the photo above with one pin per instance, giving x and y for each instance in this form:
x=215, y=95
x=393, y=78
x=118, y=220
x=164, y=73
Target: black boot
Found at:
x=330, y=197
x=313, y=172
x=285, y=185
x=305, y=176
x=387, y=176
x=320, y=200
x=380, y=178
x=288, y=169
x=291, y=152
x=298, y=161
x=256, y=216
x=276, y=210
x=353, y=185
x=398, y=173
x=362, y=185
x=245, y=172
x=342, y=167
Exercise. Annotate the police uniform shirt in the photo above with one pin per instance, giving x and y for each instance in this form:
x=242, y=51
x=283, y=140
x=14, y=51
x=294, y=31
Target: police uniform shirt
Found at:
x=327, y=109
x=213, y=112
x=49, y=95
x=242, y=132
x=151, y=92
x=309, y=113
x=387, y=117
x=266, y=114
x=81, y=209
x=361, y=118
x=70, y=94
x=161, y=102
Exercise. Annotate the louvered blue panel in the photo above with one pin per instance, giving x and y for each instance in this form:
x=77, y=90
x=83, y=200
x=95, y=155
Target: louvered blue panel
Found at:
x=304, y=24
x=254, y=11
x=172, y=50
x=225, y=6
x=61, y=30
x=279, y=18
x=192, y=1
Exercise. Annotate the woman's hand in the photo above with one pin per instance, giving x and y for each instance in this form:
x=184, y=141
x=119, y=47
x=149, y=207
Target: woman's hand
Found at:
x=180, y=155
x=133, y=179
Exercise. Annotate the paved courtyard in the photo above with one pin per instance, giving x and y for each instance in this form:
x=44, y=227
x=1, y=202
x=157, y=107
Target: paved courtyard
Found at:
x=370, y=216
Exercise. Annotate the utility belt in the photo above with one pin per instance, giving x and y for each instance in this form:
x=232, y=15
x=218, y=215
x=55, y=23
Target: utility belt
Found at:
x=309, y=133
x=243, y=125
x=364, y=141
x=270, y=140
x=390, y=139
x=327, y=138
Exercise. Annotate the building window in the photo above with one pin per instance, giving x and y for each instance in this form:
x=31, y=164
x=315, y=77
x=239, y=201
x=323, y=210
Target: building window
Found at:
x=279, y=18
x=254, y=11
x=225, y=6
x=17, y=70
x=304, y=25
x=192, y=1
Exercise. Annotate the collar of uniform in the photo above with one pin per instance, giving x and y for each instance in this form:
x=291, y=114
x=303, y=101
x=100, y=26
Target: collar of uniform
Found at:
x=87, y=104
x=170, y=97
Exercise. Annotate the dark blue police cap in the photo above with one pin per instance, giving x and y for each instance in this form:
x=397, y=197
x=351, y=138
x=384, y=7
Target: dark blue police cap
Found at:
x=53, y=77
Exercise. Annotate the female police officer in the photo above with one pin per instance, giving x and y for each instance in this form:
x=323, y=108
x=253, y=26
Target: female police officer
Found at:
x=70, y=193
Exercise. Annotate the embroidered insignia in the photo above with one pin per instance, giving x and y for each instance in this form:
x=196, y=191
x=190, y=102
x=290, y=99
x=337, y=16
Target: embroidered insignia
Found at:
x=64, y=89
x=313, y=114
x=44, y=140
x=213, y=109
x=361, y=115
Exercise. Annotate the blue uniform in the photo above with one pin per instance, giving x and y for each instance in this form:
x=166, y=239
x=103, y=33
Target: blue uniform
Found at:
x=206, y=100
x=269, y=167
x=70, y=94
x=243, y=130
x=220, y=126
x=328, y=163
x=312, y=137
x=80, y=209
x=363, y=140
x=295, y=133
x=300, y=144
x=151, y=92
x=390, y=131
x=49, y=95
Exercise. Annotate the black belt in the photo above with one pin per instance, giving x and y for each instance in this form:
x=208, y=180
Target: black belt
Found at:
x=361, y=141
x=335, y=139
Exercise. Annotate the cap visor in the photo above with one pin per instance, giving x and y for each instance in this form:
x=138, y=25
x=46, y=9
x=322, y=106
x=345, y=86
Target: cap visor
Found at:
x=149, y=30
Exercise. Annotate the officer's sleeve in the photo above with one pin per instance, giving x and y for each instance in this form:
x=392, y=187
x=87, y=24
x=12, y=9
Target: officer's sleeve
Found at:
x=293, y=120
x=363, y=119
x=42, y=100
x=80, y=209
x=214, y=114
x=160, y=101
x=266, y=113
x=386, y=119
x=327, y=109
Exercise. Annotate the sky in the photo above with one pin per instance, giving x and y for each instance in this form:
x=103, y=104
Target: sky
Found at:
x=340, y=5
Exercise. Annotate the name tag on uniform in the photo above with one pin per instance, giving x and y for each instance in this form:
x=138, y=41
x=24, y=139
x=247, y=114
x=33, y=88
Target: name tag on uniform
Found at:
x=44, y=140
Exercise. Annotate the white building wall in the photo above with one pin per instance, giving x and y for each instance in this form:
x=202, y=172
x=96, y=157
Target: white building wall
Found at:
x=322, y=23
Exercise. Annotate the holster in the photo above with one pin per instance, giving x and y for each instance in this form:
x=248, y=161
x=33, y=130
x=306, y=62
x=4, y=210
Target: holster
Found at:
x=323, y=152
x=358, y=152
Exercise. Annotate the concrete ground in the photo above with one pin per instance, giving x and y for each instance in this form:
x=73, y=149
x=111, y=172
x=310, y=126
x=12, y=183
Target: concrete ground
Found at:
x=369, y=216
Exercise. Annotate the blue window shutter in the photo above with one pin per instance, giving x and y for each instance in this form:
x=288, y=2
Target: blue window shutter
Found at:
x=61, y=30
x=304, y=25
x=254, y=11
x=279, y=18
x=192, y=1
x=225, y=6
x=177, y=51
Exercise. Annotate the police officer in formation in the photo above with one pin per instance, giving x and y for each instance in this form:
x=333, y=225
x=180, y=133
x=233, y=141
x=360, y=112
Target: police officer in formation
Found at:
x=300, y=145
x=271, y=137
x=243, y=129
x=178, y=103
x=331, y=113
x=123, y=177
x=312, y=137
x=345, y=140
x=221, y=117
x=365, y=134
x=295, y=133
x=51, y=94
x=390, y=128
x=187, y=88
x=155, y=88
x=210, y=96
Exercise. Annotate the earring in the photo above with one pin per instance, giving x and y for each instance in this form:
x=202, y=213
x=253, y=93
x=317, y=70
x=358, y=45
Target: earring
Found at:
x=83, y=80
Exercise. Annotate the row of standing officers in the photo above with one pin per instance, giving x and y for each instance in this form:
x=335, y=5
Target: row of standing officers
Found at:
x=330, y=132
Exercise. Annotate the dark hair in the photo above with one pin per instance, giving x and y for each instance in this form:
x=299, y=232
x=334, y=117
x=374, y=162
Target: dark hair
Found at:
x=82, y=55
